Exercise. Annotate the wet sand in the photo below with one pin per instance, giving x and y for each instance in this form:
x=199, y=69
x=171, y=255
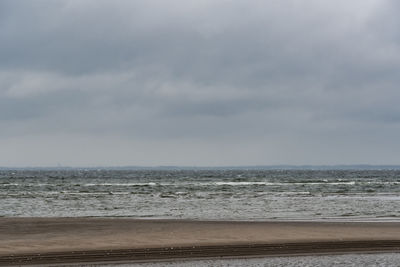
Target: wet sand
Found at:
x=71, y=240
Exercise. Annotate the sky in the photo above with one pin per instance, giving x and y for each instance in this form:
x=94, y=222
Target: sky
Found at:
x=199, y=83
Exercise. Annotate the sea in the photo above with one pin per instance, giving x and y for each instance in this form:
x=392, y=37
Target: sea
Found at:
x=215, y=194
x=344, y=260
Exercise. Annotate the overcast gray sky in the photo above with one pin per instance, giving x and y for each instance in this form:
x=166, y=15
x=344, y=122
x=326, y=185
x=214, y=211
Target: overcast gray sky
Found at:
x=203, y=83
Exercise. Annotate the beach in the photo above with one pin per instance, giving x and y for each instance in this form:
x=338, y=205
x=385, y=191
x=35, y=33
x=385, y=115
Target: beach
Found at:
x=79, y=240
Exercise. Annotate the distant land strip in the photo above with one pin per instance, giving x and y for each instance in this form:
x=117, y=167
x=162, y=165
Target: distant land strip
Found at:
x=250, y=167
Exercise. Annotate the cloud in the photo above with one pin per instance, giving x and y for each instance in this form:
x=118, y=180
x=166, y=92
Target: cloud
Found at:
x=262, y=77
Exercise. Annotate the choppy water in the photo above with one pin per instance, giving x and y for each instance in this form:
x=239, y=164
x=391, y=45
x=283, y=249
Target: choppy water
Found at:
x=218, y=194
x=355, y=260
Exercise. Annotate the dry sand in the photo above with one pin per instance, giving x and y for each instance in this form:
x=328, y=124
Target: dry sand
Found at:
x=66, y=240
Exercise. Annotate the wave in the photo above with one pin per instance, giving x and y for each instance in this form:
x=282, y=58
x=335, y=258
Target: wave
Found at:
x=206, y=183
x=123, y=184
x=282, y=183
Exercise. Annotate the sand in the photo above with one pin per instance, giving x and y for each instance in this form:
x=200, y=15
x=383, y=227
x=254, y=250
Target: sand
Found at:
x=69, y=240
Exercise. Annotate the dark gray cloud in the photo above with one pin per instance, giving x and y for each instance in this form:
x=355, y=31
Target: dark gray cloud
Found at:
x=199, y=82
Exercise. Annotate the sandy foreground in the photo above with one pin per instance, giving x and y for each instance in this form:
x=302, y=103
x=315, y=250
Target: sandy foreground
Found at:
x=69, y=240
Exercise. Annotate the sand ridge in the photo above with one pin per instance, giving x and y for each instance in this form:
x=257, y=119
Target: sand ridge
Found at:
x=123, y=236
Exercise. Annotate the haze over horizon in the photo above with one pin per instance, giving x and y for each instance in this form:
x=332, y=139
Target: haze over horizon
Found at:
x=199, y=83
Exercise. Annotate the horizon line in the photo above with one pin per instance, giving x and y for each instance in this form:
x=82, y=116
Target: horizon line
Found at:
x=272, y=166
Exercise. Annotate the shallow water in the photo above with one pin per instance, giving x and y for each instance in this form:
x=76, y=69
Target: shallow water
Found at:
x=356, y=260
x=214, y=194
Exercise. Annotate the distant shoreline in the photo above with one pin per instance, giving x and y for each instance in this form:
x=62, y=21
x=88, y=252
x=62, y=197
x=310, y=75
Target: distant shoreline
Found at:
x=75, y=240
x=357, y=167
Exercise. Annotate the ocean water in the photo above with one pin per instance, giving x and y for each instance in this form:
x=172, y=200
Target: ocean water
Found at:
x=347, y=260
x=202, y=194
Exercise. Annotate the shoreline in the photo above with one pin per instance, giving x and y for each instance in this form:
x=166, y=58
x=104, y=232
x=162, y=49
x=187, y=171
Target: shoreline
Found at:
x=92, y=240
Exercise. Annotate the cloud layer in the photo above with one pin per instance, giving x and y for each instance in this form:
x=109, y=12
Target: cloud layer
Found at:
x=199, y=82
